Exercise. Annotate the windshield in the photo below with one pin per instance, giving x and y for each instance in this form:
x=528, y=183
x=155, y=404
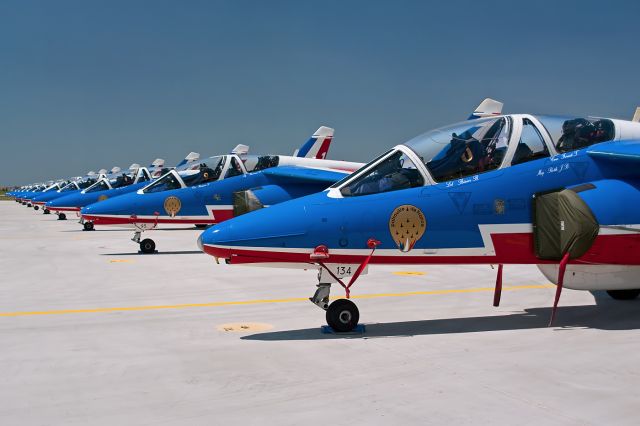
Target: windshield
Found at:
x=165, y=183
x=463, y=149
x=395, y=172
x=571, y=133
x=69, y=187
x=101, y=185
x=55, y=187
x=120, y=181
x=86, y=183
x=142, y=176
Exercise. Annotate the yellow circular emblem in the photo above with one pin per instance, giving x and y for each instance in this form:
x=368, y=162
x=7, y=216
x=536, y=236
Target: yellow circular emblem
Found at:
x=172, y=205
x=102, y=198
x=407, y=225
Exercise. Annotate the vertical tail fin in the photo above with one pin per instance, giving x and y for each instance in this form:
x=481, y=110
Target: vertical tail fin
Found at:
x=487, y=108
x=636, y=116
x=318, y=145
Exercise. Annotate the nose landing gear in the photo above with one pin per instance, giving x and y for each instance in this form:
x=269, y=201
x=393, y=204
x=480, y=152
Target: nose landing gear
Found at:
x=147, y=246
x=62, y=216
x=342, y=315
x=88, y=226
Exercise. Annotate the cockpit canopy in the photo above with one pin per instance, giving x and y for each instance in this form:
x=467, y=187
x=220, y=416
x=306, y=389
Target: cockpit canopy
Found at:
x=211, y=169
x=473, y=147
x=463, y=149
x=571, y=133
x=190, y=174
x=117, y=179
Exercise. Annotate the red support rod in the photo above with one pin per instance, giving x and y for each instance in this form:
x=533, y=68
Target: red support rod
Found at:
x=498, y=290
x=561, y=271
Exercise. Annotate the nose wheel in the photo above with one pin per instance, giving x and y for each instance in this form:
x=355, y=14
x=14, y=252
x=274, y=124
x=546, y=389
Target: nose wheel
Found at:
x=36, y=207
x=88, y=226
x=147, y=246
x=46, y=211
x=343, y=315
x=62, y=216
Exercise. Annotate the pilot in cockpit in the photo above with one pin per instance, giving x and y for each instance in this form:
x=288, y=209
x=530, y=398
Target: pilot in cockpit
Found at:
x=581, y=133
x=206, y=175
x=123, y=180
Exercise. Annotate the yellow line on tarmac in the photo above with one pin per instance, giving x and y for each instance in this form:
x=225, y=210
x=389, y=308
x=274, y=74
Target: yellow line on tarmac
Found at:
x=264, y=301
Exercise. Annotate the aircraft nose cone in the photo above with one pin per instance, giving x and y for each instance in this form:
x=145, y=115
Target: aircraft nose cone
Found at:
x=200, y=243
x=216, y=240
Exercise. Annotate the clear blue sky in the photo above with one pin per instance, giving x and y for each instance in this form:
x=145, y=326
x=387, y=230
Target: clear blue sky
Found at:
x=91, y=84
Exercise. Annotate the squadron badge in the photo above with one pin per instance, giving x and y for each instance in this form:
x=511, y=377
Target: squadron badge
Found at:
x=172, y=205
x=407, y=225
x=102, y=198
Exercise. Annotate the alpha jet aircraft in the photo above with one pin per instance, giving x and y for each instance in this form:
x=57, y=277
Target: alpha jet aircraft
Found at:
x=112, y=185
x=558, y=192
x=74, y=186
x=50, y=187
x=22, y=193
x=221, y=187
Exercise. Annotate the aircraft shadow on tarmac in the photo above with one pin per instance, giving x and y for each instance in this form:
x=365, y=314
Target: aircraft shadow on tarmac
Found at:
x=132, y=230
x=154, y=254
x=98, y=230
x=607, y=314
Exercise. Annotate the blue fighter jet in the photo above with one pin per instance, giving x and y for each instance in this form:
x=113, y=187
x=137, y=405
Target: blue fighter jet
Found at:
x=48, y=188
x=114, y=184
x=74, y=186
x=221, y=187
x=558, y=192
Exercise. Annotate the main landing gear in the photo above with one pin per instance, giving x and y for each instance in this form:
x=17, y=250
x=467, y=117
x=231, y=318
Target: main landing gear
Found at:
x=62, y=216
x=342, y=315
x=45, y=211
x=147, y=246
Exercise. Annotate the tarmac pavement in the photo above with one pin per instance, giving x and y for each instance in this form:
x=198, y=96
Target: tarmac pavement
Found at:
x=91, y=332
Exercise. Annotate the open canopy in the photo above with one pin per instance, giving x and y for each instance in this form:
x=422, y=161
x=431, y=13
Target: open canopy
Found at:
x=469, y=148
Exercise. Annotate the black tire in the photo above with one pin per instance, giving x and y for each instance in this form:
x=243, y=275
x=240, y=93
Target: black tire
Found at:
x=28, y=204
x=46, y=211
x=624, y=294
x=62, y=216
x=343, y=315
x=88, y=226
x=36, y=207
x=147, y=246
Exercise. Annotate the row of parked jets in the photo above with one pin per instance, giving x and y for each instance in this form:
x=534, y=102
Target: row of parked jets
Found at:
x=560, y=192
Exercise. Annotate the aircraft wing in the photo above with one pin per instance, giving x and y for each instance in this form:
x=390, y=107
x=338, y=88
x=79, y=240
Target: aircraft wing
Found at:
x=302, y=174
x=617, y=151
